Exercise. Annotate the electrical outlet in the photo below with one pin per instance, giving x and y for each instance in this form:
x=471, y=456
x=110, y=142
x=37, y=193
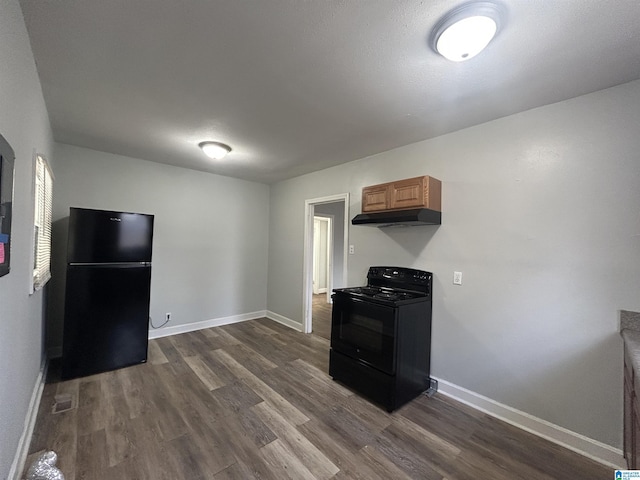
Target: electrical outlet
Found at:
x=457, y=278
x=168, y=316
x=352, y=249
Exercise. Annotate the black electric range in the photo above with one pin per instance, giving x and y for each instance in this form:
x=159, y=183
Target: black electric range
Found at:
x=381, y=335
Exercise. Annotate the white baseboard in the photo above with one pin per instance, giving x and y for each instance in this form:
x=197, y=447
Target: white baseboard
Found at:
x=600, y=452
x=215, y=322
x=29, y=424
x=287, y=322
x=55, y=352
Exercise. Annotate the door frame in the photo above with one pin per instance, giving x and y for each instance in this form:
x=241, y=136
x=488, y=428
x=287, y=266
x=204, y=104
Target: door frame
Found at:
x=307, y=265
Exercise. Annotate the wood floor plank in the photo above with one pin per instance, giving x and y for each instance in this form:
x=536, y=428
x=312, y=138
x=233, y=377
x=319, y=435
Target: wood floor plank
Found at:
x=151, y=461
x=188, y=344
x=69, y=387
x=254, y=401
x=245, y=449
x=45, y=420
x=436, y=416
x=236, y=397
x=320, y=380
x=295, y=393
x=249, y=359
x=353, y=431
x=368, y=413
x=310, y=347
x=312, y=458
x=471, y=465
x=383, y=465
x=321, y=317
x=155, y=355
x=340, y=453
x=235, y=367
x=210, y=436
x=187, y=461
x=64, y=440
x=129, y=378
x=271, y=346
x=256, y=427
x=91, y=418
x=410, y=456
x=168, y=417
x=92, y=459
x=523, y=448
x=275, y=400
x=175, y=360
x=120, y=442
x=89, y=393
x=130, y=468
x=226, y=337
x=414, y=433
x=239, y=471
x=264, y=329
x=204, y=373
x=284, y=462
x=110, y=384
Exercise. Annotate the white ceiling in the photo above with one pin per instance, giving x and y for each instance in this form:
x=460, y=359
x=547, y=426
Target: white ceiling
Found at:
x=296, y=86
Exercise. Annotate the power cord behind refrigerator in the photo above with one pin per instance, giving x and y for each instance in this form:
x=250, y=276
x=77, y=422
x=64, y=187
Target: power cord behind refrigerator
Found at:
x=159, y=326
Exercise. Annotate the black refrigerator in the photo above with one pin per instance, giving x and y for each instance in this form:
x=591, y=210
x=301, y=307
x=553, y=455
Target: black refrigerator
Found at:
x=108, y=286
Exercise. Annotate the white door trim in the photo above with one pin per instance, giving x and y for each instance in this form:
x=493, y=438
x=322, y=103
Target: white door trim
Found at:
x=307, y=267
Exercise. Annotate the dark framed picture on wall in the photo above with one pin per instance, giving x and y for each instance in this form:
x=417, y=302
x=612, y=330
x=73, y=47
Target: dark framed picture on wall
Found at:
x=6, y=204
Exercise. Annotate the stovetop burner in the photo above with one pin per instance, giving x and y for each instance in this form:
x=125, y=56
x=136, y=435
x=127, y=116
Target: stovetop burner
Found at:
x=392, y=285
x=377, y=292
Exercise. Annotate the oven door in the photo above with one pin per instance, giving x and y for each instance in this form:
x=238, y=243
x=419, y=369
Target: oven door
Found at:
x=364, y=331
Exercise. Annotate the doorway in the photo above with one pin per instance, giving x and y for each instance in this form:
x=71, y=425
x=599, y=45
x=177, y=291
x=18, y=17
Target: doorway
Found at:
x=322, y=253
x=325, y=258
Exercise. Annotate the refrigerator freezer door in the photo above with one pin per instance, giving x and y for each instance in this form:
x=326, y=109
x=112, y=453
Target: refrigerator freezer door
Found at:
x=106, y=318
x=101, y=236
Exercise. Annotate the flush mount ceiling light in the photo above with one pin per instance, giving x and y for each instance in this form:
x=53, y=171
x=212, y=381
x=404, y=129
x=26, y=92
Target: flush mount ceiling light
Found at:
x=215, y=150
x=466, y=30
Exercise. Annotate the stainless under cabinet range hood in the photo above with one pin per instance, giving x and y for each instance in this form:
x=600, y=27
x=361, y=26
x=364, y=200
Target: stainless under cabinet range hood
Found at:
x=399, y=218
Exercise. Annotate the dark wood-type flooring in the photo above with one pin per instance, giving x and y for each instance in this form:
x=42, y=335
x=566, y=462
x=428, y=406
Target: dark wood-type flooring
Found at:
x=321, y=316
x=253, y=401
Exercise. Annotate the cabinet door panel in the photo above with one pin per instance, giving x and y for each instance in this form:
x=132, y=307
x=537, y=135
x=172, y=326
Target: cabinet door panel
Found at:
x=635, y=439
x=408, y=193
x=375, y=198
x=628, y=423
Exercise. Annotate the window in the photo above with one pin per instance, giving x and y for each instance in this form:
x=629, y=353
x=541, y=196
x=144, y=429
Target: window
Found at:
x=42, y=224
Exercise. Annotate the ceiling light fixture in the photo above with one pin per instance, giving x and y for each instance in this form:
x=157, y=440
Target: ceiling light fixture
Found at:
x=215, y=150
x=466, y=30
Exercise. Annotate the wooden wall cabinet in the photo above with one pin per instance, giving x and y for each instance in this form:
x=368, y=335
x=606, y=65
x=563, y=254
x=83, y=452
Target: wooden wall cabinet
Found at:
x=631, y=444
x=375, y=198
x=418, y=192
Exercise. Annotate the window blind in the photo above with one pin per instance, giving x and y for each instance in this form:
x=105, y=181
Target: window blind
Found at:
x=42, y=224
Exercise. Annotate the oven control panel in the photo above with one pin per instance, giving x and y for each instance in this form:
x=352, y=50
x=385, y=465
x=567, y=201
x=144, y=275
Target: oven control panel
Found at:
x=400, y=277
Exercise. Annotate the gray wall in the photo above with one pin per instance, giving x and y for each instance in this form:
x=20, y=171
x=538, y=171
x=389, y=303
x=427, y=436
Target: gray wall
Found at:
x=25, y=125
x=210, y=233
x=336, y=209
x=540, y=213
